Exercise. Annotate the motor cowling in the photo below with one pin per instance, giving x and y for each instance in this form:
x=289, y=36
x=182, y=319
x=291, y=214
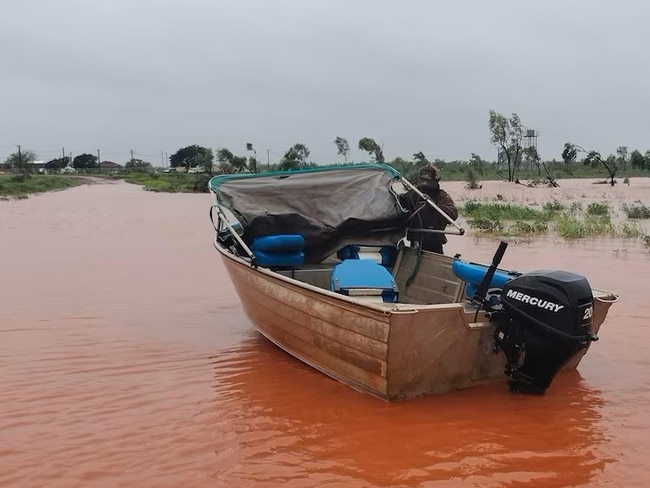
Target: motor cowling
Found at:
x=546, y=319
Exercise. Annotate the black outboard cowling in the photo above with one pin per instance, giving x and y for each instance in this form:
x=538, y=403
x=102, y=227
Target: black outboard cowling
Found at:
x=546, y=318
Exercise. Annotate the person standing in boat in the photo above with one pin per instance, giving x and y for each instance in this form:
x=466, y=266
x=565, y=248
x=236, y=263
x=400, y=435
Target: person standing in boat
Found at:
x=424, y=216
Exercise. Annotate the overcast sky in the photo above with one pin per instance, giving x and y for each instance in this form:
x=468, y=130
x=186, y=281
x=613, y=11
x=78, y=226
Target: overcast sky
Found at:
x=157, y=75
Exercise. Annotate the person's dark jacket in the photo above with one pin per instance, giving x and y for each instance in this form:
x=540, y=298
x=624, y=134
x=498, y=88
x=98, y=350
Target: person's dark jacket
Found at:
x=428, y=217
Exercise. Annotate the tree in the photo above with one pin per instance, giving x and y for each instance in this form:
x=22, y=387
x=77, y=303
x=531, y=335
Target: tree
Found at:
x=229, y=163
x=506, y=134
x=137, y=165
x=342, y=147
x=192, y=156
x=477, y=164
x=371, y=147
x=592, y=159
x=570, y=153
x=84, y=161
x=57, y=164
x=637, y=160
x=295, y=158
x=21, y=161
x=420, y=158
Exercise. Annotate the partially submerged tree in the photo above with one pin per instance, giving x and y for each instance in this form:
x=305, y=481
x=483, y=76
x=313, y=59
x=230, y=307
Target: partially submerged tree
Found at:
x=371, y=147
x=532, y=159
x=506, y=134
x=593, y=159
x=477, y=164
x=342, y=147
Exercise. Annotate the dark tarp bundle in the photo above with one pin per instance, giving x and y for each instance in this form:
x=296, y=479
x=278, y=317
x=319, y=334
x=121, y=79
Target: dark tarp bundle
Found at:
x=330, y=207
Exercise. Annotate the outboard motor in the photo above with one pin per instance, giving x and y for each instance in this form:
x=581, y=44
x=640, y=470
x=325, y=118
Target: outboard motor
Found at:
x=545, y=318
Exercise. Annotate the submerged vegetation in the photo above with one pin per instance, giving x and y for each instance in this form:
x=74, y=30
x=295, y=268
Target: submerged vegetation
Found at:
x=637, y=211
x=570, y=222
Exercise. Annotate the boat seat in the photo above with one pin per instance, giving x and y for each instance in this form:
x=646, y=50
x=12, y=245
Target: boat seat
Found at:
x=364, y=278
x=278, y=251
x=384, y=255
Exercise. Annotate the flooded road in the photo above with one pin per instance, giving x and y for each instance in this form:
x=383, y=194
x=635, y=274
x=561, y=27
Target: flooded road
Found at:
x=126, y=361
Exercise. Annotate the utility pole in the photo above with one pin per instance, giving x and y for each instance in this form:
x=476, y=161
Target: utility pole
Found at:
x=20, y=158
x=98, y=161
x=268, y=160
x=131, y=156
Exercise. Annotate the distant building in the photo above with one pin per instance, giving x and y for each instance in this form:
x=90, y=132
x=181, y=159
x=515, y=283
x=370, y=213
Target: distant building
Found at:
x=110, y=166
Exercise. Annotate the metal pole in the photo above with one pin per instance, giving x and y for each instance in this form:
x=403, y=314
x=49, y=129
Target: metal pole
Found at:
x=410, y=186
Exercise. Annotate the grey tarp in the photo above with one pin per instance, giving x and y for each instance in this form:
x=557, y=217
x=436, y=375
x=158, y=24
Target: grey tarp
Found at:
x=329, y=207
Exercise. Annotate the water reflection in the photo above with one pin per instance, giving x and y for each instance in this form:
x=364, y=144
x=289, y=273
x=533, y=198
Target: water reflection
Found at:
x=280, y=421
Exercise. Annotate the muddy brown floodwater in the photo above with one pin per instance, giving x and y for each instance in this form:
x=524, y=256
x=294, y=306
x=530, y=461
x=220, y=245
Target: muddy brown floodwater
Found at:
x=126, y=361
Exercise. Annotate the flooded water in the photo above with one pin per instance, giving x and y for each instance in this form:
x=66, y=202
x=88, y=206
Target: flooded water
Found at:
x=126, y=361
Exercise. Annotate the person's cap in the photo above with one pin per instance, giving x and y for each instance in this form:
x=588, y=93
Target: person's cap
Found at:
x=429, y=173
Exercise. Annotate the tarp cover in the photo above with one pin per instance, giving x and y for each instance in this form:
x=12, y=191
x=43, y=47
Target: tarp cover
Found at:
x=329, y=207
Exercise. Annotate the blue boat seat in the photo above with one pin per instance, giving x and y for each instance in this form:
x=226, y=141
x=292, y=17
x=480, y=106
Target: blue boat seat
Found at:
x=281, y=251
x=364, y=277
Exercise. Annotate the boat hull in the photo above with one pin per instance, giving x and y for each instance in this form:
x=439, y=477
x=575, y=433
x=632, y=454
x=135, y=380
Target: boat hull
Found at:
x=391, y=351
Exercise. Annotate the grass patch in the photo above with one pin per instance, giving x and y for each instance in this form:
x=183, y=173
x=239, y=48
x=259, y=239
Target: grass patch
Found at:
x=19, y=186
x=169, y=182
x=553, y=207
x=572, y=227
x=597, y=208
x=498, y=212
x=527, y=228
x=490, y=218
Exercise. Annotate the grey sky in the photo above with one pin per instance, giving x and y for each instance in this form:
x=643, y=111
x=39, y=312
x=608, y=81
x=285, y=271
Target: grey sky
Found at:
x=157, y=75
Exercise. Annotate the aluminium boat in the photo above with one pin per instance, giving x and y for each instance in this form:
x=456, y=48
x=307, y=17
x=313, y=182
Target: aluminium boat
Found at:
x=327, y=266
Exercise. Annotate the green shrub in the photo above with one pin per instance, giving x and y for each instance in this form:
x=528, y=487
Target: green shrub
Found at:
x=572, y=227
x=553, y=207
x=486, y=225
x=636, y=211
x=597, y=208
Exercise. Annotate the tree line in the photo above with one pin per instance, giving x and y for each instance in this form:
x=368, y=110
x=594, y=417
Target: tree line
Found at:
x=507, y=134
